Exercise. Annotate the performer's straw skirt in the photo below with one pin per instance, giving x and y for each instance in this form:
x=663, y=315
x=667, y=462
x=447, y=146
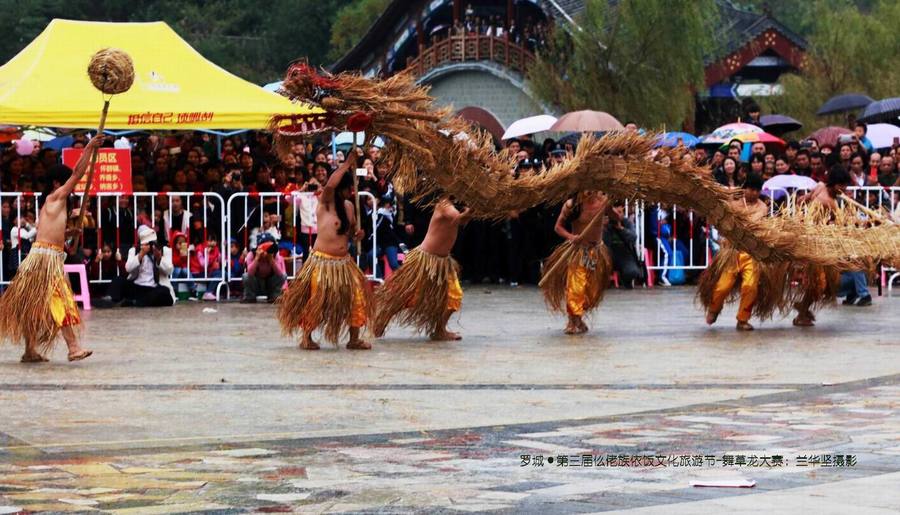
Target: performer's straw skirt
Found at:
x=39, y=300
x=331, y=293
x=815, y=285
x=421, y=292
x=577, y=286
x=762, y=287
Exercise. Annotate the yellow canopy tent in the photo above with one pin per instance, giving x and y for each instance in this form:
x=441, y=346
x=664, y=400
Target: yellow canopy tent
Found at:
x=46, y=84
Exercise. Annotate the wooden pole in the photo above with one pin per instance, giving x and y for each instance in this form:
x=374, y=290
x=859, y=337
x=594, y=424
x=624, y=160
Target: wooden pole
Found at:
x=352, y=155
x=874, y=214
x=90, y=177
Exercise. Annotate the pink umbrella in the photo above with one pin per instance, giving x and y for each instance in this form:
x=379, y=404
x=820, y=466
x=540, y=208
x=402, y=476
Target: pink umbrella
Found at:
x=728, y=132
x=829, y=135
x=587, y=121
x=764, y=137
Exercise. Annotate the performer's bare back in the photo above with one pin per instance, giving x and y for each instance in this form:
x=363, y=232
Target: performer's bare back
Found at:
x=444, y=228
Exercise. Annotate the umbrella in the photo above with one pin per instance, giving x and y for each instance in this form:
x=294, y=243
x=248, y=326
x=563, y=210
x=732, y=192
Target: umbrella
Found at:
x=273, y=86
x=885, y=110
x=673, y=139
x=844, y=103
x=345, y=139
x=60, y=143
x=829, y=135
x=765, y=137
x=529, y=125
x=573, y=138
x=587, y=121
x=728, y=132
x=777, y=186
x=38, y=134
x=779, y=123
x=882, y=135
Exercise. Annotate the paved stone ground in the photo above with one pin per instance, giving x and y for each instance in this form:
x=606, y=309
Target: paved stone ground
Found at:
x=185, y=411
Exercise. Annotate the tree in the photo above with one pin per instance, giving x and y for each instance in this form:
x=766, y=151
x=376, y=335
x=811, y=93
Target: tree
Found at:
x=254, y=43
x=351, y=23
x=849, y=51
x=639, y=60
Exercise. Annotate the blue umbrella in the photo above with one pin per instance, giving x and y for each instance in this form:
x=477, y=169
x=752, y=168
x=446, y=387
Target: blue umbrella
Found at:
x=60, y=143
x=844, y=103
x=672, y=139
x=885, y=110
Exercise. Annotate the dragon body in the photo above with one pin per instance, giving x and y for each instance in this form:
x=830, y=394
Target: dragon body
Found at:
x=430, y=152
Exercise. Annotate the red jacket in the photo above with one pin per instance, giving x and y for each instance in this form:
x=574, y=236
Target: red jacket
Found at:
x=204, y=254
x=178, y=261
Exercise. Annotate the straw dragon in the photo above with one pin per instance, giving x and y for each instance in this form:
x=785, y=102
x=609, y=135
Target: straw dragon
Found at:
x=431, y=151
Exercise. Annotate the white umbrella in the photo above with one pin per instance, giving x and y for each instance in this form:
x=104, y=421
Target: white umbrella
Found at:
x=38, y=134
x=530, y=125
x=882, y=134
x=778, y=186
x=346, y=138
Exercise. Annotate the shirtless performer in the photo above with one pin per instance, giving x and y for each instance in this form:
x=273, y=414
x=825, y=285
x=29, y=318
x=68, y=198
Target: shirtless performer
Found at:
x=426, y=288
x=819, y=285
x=719, y=279
x=330, y=291
x=39, y=304
x=580, y=281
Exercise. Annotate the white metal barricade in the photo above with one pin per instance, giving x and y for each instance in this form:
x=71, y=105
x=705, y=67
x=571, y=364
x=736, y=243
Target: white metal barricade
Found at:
x=19, y=205
x=143, y=206
x=239, y=226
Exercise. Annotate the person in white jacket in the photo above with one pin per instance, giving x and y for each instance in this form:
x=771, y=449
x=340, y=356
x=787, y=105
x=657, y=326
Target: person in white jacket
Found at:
x=149, y=270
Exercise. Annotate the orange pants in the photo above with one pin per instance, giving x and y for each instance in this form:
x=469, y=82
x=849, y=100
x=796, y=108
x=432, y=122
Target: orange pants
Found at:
x=579, y=288
x=454, y=294
x=746, y=270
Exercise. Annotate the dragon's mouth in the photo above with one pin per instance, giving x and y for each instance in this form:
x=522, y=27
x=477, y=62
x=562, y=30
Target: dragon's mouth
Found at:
x=303, y=124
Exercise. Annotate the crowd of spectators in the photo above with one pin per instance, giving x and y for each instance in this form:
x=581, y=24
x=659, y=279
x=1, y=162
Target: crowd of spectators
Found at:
x=266, y=239
x=532, y=33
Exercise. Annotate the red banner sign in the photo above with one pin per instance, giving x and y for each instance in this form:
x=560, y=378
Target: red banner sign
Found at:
x=112, y=172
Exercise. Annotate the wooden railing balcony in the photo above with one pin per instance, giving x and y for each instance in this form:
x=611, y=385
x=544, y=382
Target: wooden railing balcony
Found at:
x=471, y=48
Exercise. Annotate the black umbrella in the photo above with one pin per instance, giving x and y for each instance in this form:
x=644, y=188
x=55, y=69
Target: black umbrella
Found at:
x=779, y=123
x=573, y=138
x=885, y=110
x=844, y=103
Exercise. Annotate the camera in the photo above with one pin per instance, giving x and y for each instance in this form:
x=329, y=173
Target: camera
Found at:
x=313, y=187
x=236, y=176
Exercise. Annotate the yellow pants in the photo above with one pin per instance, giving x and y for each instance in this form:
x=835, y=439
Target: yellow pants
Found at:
x=454, y=294
x=746, y=270
x=579, y=288
x=63, y=307
x=358, y=304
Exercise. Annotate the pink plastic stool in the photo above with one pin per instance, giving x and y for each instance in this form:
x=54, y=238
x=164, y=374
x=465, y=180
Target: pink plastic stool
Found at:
x=85, y=296
x=387, y=267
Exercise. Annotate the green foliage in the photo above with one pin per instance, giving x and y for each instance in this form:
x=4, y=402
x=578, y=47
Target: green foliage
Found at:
x=637, y=60
x=351, y=23
x=849, y=52
x=253, y=40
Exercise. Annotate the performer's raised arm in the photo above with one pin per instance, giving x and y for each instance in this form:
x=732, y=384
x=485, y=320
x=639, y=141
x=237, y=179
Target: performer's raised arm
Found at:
x=79, y=171
x=334, y=181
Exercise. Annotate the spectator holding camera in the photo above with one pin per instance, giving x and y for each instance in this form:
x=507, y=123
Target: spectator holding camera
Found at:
x=265, y=272
x=149, y=268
